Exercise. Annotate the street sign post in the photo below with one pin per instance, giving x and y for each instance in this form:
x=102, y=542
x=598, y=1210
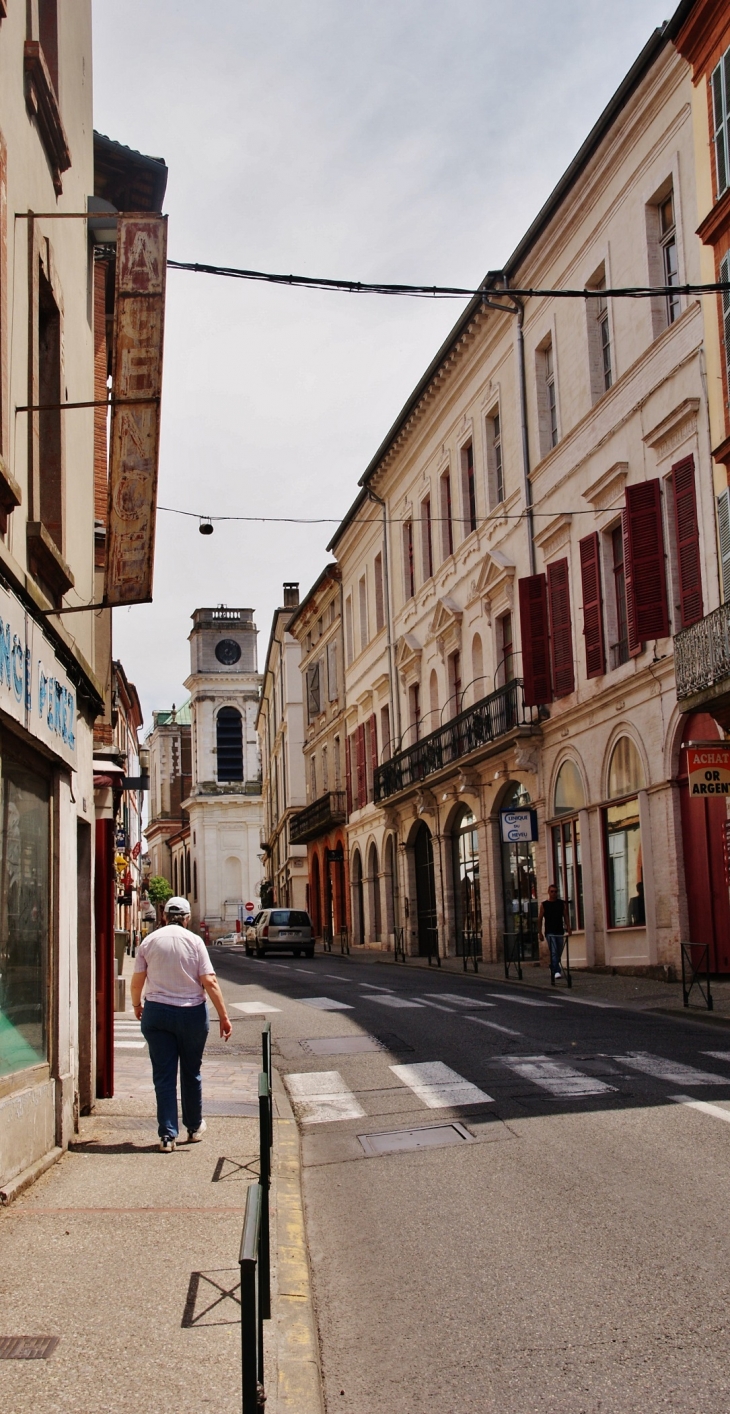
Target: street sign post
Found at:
x=708, y=768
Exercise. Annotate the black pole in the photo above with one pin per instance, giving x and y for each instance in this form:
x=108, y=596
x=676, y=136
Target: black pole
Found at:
x=265, y=1181
x=252, y=1365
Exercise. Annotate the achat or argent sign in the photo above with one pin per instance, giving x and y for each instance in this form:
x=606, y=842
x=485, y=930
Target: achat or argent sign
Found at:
x=139, y=318
x=34, y=687
x=708, y=768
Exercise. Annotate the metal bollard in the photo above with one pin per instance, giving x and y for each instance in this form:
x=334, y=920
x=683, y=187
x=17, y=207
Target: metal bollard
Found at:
x=252, y=1330
x=266, y=1055
x=265, y=1183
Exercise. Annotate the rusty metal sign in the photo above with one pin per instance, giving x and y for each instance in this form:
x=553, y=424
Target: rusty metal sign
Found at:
x=139, y=320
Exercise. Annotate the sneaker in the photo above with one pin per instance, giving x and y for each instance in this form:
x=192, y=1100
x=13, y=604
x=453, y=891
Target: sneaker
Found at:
x=167, y=1145
x=195, y=1135
x=557, y=974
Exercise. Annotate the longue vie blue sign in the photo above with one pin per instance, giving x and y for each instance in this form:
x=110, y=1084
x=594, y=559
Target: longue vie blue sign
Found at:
x=35, y=690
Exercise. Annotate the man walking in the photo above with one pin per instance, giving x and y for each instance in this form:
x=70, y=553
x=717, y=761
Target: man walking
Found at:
x=554, y=922
x=173, y=967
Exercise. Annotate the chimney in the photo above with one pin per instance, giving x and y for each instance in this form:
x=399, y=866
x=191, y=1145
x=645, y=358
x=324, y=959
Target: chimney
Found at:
x=291, y=596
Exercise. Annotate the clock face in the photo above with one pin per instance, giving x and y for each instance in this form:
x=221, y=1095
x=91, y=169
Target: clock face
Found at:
x=227, y=651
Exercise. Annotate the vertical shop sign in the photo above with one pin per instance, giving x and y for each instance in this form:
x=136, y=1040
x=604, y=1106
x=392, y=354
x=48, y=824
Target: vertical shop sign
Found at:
x=139, y=318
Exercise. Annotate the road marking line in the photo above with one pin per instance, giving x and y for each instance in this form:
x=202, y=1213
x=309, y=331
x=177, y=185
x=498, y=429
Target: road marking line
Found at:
x=129, y=1045
x=372, y=987
x=521, y=1001
x=393, y=1001
x=254, y=1008
x=324, y=1004
x=439, y=1086
x=718, y=1055
x=702, y=1105
x=559, y=1078
x=461, y=1001
x=427, y=1002
x=321, y=1097
x=493, y=1025
x=334, y=978
x=673, y=1071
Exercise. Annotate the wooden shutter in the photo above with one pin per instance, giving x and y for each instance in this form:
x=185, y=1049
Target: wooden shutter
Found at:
x=348, y=773
x=561, y=628
x=372, y=741
x=590, y=576
x=362, y=793
x=535, y=640
x=634, y=641
x=723, y=530
x=688, y=542
x=646, y=554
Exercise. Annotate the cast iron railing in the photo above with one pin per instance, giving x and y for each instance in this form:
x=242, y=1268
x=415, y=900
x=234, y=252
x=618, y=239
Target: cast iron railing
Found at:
x=479, y=725
x=702, y=653
x=319, y=817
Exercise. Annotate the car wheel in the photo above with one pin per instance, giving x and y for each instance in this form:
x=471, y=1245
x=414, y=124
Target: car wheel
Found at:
x=249, y=952
x=260, y=952
x=309, y=952
x=296, y=952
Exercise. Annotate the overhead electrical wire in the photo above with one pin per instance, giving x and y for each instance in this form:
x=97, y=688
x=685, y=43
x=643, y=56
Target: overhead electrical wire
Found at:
x=365, y=520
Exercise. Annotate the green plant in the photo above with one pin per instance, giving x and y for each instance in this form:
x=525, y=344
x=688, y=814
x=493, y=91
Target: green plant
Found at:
x=158, y=889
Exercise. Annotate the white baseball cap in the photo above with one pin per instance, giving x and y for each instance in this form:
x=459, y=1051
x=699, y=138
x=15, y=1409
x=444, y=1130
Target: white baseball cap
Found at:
x=177, y=905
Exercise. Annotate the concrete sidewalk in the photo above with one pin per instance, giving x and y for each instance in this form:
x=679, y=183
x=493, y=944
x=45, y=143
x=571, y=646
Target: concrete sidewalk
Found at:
x=129, y=1257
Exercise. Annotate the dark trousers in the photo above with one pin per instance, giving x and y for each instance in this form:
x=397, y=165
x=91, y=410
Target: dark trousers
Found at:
x=176, y=1034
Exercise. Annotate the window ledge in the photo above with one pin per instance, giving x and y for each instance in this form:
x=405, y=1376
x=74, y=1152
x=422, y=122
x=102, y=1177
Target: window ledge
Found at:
x=46, y=563
x=717, y=221
x=42, y=104
x=10, y=495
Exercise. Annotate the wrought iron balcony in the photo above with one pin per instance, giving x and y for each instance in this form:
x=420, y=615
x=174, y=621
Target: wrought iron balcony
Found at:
x=319, y=817
x=702, y=658
x=488, y=720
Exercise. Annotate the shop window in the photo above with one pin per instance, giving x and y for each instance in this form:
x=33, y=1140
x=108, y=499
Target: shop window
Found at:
x=467, y=895
x=624, y=868
x=569, y=793
x=567, y=867
x=24, y=917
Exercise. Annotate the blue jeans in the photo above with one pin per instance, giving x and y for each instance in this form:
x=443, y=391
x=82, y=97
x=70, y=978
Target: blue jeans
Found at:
x=176, y=1033
x=556, y=943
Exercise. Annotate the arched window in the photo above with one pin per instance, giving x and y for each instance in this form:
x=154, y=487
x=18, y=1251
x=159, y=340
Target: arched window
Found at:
x=569, y=798
x=622, y=835
x=467, y=895
x=374, y=894
x=232, y=879
x=358, y=904
x=477, y=669
x=229, y=741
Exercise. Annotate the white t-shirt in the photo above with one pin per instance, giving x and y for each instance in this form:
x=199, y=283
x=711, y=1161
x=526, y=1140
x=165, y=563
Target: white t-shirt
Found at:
x=174, y=959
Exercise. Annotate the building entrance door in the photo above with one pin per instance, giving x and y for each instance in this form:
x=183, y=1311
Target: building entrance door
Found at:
x=703, y=825
x=428, y=942
x=519, y=886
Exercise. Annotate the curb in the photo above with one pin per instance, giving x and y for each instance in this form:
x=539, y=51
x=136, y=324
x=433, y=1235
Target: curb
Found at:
x=299, y=1379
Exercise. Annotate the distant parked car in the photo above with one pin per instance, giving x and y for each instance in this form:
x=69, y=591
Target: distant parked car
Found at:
x=281, y=930
x=230, y=938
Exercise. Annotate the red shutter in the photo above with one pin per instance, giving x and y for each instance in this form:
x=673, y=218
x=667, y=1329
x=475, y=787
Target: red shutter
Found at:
x=372, y=741
x=590, y=576
x=634, y=641
x=646, y=558
x=535, y=640
x=688, y=542
x=348, y=773
x=561, y=628
x=362, y=792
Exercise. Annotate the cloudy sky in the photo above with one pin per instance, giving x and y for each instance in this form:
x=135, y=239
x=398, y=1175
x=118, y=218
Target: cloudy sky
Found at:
x=361, y=139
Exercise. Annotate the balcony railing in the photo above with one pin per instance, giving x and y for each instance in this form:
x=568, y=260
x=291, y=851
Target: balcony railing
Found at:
x=479, y=725
x=319, y=817
x=702, y=653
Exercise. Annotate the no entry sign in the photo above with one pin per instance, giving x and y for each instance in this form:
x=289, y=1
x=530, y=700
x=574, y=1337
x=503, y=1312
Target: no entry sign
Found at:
x=708, y=768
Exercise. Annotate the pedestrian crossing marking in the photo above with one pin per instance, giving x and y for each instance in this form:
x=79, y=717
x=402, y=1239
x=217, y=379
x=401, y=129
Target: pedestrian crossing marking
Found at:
x=670, y=1070
x=520, y=1001
x=254, y=1008
x=393, y=1001
x=129, y=1045
x=324, y=1004
x=493, y=1025
x=702, y=1105
x=428, y=1001
x=439, y=1086
x=459, y=1000
x=321, y=1096
x=718, y=1055
x=557, y=1077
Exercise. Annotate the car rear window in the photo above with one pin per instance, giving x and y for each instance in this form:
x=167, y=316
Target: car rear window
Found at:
x=289, y=918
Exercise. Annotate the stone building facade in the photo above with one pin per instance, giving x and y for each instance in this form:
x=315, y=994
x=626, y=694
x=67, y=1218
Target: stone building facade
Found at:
x=168, y=747
x=280, y=729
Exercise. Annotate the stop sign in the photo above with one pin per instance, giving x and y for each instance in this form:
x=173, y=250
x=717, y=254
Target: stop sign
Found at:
x=249, y=908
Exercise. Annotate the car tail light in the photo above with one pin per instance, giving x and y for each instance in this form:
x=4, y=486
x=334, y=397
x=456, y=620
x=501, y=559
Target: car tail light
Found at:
x=265, y=932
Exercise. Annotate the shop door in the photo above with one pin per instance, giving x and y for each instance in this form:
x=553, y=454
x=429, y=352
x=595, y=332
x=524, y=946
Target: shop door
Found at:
x=519, y=886
x=425, y=893
x=703, y=828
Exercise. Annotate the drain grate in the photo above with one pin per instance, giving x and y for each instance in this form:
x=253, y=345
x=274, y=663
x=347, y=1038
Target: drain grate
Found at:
x=340, y=1045
x=397, y=1141
x=27, y=1347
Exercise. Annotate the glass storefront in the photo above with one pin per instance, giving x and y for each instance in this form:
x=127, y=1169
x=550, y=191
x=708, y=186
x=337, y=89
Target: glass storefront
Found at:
x=24, y=914
x=567, y=868
x=624, y=870
x=467, y=897
x=519, y=885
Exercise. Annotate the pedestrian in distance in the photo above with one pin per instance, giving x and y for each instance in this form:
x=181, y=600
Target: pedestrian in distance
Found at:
x=553, y=923
x=174, y=970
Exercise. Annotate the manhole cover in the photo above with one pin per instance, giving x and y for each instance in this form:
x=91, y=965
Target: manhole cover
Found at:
x=396, y=1141
x=340, y=1045
x=27, y=1347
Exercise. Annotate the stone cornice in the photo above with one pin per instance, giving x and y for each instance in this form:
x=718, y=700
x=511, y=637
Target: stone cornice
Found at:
x=674, y=428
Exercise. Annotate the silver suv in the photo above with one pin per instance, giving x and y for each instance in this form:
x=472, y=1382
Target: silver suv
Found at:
x=281, y=930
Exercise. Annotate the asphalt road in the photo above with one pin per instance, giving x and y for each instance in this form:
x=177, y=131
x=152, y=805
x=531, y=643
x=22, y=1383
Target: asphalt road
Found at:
x=566, y=1250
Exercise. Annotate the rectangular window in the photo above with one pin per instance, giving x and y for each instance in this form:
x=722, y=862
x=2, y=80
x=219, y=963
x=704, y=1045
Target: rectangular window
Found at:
x=385, y=732
x=720, y=85
x=670, y=258
x=535, y=636
x=325, y=773
x=590, y=574
x=379, y=597
x=623, y=865
x=686, y=544
x=363, y=602
x=338, y=764
x=371, y=754
x=314, y=696
x=568, y=872
x=409, y=569
x=645, y=560
x=332, y=689
x=723, y=535
x=495, y=473
x=24, y=901
x=619, y=651
x=361, y=767
x=547, y=398
x=561, y=628
x=414, y=704
x=551, y=395
x=469, y=490
x=725, y=297
x=426, y=539
x=454, y=704
x=599, y=338
x=50, y=432
x=349, y=635
x=505, y=647
x=313, y=777
x=447, y=524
